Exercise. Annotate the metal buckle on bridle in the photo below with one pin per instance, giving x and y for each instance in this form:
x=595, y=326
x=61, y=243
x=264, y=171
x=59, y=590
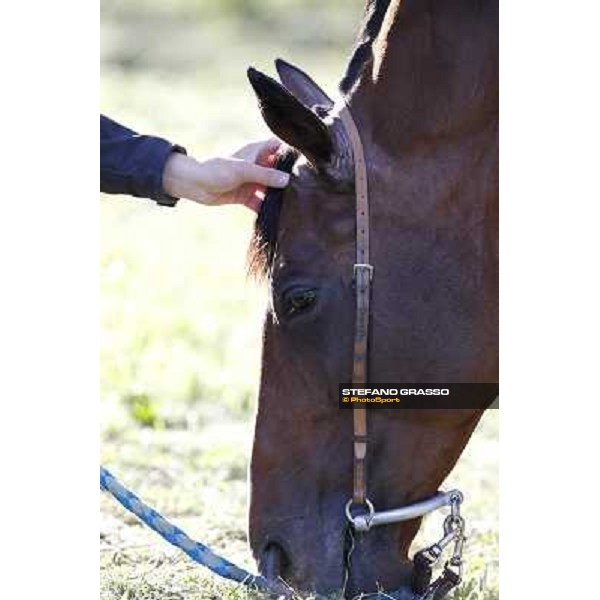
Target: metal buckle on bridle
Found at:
x=369, y=268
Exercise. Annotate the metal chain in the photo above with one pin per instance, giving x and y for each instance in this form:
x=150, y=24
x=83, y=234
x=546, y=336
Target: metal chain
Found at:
x=457, y=524
x=454, y=533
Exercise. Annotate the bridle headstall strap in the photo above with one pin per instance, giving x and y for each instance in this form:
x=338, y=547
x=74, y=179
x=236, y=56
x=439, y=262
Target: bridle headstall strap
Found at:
x=368, y=517
x=363, y=275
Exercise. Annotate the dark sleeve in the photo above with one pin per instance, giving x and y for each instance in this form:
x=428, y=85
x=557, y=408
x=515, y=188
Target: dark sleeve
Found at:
x=133, y=164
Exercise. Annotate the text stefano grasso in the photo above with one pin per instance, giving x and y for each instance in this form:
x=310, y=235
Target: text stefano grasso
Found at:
x=396, y=391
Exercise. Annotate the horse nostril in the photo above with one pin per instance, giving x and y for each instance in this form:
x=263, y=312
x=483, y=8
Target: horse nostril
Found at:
x=273, y=561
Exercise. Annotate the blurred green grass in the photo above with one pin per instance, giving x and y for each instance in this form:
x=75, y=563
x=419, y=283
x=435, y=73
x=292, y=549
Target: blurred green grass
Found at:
x=180, y=322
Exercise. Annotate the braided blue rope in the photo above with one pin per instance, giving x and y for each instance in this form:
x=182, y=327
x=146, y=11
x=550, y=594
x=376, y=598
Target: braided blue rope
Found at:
x=195, y=550
x=201, y=553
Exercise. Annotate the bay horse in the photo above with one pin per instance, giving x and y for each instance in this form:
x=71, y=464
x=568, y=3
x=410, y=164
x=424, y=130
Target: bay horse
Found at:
x=422, y=87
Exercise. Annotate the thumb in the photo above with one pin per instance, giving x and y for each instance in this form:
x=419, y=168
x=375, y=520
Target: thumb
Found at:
x=252, y=173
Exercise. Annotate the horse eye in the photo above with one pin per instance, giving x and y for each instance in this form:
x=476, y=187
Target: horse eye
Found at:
x=299, y=301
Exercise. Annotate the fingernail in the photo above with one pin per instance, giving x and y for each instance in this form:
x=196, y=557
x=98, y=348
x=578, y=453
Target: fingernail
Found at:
x=283, y=179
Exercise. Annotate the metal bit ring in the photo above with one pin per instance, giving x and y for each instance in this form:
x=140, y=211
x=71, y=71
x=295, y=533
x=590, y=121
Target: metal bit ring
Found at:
x=369, y=515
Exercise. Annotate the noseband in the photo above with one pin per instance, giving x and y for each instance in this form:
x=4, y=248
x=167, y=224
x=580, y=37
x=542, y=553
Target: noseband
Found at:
x=368, y=517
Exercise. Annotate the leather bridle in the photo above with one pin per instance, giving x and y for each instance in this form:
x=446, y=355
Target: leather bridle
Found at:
x=368, y=517
x=363, y=275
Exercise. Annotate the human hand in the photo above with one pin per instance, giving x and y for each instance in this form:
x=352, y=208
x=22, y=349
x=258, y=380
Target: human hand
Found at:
x=241, y=179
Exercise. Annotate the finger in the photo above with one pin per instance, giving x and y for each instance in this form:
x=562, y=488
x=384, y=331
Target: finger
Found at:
x=254, y=151
x=248, y=152
x=267, y=156
x=250, y=195
x=254, y=203
x=271, y=145
x=251, y=173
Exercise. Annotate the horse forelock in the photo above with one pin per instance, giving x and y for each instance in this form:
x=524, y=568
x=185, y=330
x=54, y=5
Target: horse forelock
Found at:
x=263, y=244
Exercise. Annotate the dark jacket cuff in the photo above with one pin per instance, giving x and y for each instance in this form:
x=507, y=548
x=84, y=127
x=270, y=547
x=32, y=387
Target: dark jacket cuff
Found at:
x=160, y=196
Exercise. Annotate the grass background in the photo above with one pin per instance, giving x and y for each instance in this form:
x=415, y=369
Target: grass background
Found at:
x=180, y=322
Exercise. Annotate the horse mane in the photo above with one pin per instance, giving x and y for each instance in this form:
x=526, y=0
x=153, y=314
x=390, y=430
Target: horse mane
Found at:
x=263, y=244
x=375, y=11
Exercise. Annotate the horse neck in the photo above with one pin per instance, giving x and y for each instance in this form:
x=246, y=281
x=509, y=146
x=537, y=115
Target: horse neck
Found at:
x=433, y=74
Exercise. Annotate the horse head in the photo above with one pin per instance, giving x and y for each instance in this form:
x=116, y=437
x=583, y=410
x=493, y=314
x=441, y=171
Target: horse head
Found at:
x=423, y=101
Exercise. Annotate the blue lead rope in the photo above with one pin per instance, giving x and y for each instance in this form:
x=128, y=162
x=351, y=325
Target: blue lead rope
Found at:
x=195, y=550
x=204, y=555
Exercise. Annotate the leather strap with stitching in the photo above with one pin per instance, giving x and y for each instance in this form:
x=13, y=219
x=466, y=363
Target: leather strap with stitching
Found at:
x=363, y=274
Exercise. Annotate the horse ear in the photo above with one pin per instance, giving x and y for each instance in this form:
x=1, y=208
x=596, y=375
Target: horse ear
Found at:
x=290, y=120
x=302, y=85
